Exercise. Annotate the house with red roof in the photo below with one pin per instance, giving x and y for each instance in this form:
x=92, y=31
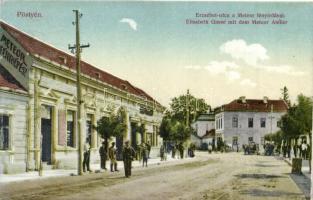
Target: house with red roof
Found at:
x=243, y=121
x=38, y=105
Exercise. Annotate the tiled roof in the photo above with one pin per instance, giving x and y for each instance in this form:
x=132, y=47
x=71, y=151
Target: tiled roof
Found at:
x=8, y=81
x=36, y=47
x=206, y=117
x=209, y=134
x=255, y=105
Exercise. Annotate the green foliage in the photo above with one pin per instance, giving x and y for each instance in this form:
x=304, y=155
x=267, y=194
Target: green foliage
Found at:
x=275, y=137
x=179, y=107
x=174, y=130
x=285, y=94
x=298, y=120
x=113, y=126
x=173, y=126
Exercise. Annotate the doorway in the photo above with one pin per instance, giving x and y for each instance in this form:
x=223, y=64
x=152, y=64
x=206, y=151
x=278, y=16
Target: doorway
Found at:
x=46, y=132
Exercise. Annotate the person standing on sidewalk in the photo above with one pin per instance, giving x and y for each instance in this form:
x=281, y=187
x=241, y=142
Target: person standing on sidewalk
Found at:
x=304, y=148
x=86, y=160
x=162, y=152
x=145, y=155
x=103, y=156
x=112, y=156
x=295, y=147
x=181, y=150
x=148, y=145
x=128, y=154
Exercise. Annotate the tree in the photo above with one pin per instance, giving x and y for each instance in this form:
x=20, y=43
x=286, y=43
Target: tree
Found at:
x=298, y=120
x=275, y=137
x=173, y=126
x=114, y=125
x=196, y=107
x=284, y=92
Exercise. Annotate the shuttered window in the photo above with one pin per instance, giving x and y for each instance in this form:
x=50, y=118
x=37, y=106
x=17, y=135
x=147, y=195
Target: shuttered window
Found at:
x=70, y=128
x=4, y=132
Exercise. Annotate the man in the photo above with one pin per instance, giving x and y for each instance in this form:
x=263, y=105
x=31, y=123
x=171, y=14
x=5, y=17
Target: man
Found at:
x=162, y=152
x=210, y=148
x=295, y=150
x=139, y=152
x=145, y=155
x=148, y=148
x=128, y=154
x=103, y=156
x=181, y=150
x=173, y=151
x=112, y=156
x=86, y=161
x=304, y=148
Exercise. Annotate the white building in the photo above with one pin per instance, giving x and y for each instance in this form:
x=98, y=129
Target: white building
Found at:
x=38, y=105
x=248, y=120
x=205, y=129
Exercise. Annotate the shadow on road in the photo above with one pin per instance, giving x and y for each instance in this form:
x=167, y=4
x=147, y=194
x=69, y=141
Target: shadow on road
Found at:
x=267, y=193
x=258, y=176
x=262, y=165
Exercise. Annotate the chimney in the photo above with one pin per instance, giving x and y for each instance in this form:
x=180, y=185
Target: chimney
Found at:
x=242, y=99
x=265, y=99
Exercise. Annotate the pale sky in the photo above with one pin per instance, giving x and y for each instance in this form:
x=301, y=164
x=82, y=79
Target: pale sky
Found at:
x=150, y=45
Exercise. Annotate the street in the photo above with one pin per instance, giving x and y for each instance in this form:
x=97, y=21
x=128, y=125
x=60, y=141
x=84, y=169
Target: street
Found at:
x=215, y=176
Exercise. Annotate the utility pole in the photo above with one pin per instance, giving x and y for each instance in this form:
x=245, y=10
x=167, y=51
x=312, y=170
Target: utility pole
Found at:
x=271, y=117
x=187, y=108
x=78, y=48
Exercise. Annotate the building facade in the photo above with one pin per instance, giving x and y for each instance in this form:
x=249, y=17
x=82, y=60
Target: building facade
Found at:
x=38, y=105
x=243, y=121
x=204, y=128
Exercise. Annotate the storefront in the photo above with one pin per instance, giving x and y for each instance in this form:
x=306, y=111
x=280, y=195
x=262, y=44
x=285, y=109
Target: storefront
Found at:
x=44, y=102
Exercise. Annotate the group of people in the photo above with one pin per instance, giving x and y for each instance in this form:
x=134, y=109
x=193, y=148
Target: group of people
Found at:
x=269, y=149
x=302, y=150
x=128, y=155
x=180, y=148
x=251, y=148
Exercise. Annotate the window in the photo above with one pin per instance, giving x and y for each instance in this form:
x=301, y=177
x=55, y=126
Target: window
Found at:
x=278, y=124
x=70, y=128
x=235, y=140
x=250, y=139
x=4, y=132
x=221, y=123
x=250, y=122
x=235, y=122
x=262, y=122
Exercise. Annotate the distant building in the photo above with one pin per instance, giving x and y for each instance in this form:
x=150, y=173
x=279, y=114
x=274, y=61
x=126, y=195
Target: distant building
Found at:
x=38, y=105
x=243, y=121
x=204, y=127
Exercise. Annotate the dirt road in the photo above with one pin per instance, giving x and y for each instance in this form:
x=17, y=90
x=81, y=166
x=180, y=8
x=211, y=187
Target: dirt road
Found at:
x=216, y=176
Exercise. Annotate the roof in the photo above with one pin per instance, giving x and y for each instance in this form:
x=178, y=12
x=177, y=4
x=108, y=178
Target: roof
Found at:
x=37, y=47
x=206, y=117
x=254, y=105
x=209, y=134
x=7, y=81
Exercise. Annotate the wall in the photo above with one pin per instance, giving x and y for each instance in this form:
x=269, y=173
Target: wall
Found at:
x=244, y=132
x=15, y=105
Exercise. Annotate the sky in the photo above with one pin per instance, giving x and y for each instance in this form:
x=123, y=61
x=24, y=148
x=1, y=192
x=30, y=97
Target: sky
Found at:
x=151, y=45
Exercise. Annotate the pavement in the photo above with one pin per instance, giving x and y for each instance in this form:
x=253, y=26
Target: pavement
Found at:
x=48, y=173
x=305, y=166
x=207, y=176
